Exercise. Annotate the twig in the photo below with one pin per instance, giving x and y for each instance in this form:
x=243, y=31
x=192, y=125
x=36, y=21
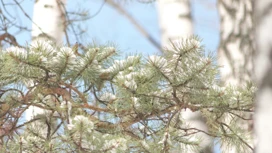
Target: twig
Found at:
x=10, y=37
x=135, y=23
x=21, y=8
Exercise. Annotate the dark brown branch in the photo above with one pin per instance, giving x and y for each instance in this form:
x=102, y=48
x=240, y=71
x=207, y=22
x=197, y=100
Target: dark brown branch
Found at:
x=11, y=38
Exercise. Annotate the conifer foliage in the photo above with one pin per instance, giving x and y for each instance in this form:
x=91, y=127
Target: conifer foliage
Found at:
x=92, y=101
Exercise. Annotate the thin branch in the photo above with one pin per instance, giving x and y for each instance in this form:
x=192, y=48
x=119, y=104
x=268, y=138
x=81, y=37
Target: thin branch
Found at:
x=99, y=9
x=122, y=11
x=22, y=9
x=11, y=38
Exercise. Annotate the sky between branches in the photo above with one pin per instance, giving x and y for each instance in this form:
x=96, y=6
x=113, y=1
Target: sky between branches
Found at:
x=110, y=26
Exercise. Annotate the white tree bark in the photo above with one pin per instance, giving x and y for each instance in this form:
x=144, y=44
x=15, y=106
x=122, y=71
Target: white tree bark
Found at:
x=48, y=20
x=235, y=52
x=47, y=23
x=176, y=22
x=263, y=69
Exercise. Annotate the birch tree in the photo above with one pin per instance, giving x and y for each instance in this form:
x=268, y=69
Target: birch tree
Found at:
x=175, y=20
x=48, y=20
x=235, y=52
x=263, y=21
x=48, y=23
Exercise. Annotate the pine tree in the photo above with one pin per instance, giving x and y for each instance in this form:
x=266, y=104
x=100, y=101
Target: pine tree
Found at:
x=176, y=21
x=102, y=103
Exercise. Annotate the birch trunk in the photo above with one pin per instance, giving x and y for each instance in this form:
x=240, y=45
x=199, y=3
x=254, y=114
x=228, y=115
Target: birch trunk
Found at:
x=176, y=22
x=48, y=20
x=263, y=67
x=236, y=48
x=47, y=23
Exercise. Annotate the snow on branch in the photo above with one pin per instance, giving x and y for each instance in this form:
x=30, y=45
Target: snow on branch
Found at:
x=92, y=102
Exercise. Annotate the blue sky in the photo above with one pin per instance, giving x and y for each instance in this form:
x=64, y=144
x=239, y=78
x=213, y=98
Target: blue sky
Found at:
x=110, y=26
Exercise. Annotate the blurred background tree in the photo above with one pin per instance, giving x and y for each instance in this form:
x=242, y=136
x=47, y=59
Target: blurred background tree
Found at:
x=83, y=21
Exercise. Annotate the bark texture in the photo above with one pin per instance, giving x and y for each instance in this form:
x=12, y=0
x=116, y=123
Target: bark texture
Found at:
x=263, y=67
x=235, y=52
x=236, y=49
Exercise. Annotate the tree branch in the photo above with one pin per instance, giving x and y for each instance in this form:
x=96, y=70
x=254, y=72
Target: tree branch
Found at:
x=122, y=11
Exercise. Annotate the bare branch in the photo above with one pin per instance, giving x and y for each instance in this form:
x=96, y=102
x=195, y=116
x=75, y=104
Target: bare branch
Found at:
x=122, y=11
